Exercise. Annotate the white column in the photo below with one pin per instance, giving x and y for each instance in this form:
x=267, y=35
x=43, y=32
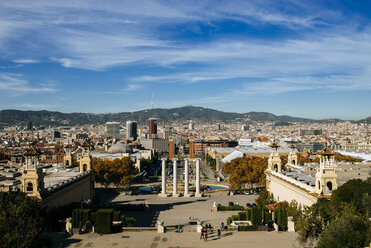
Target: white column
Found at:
x=163, y=179
x=186, y=179
x=198, y=194
x=175, y=191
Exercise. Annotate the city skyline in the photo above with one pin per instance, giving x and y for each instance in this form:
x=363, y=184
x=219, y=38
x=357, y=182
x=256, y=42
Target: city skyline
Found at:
x=295, y=58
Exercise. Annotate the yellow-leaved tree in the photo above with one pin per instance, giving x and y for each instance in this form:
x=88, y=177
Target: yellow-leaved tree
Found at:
x=120, y=171
x=245, y=170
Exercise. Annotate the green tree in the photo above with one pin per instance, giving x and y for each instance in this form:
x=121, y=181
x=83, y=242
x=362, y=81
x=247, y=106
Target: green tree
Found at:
x=21, y=222
x=264, y=198
x=345, y=232
x=354, y=191
x=210, y=161
x=310, y=225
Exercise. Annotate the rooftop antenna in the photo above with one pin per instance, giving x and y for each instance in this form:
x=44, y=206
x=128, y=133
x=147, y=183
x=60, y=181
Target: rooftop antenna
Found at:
x=152, y=102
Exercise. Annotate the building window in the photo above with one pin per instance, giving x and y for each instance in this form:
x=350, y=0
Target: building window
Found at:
x=84, y=167
x=29, y=187
x=329, y=187
x=319, y=185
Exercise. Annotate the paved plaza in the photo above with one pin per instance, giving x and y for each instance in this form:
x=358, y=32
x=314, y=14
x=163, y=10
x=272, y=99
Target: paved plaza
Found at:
x=180, y=240
x=182, y=210
x=174, y=211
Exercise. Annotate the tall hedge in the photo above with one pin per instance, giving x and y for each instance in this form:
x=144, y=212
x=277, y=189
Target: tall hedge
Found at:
x=248, y=214
x=229, y=221
x=267, y=217
x=80, y=217
x=275, y=215
x=131, y=221
x=256, y=216
x=282, y=219
x=104, y=219
x=116, y=215
x=231, y=208
x=242, y=215
x=235, y=218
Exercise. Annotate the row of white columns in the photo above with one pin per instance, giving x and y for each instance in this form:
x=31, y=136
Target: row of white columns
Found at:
x=186, y=179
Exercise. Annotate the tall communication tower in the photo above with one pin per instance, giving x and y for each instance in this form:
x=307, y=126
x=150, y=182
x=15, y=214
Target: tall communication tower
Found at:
x=152, y=102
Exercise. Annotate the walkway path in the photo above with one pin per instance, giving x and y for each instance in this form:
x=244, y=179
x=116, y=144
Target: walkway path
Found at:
x=181, y=240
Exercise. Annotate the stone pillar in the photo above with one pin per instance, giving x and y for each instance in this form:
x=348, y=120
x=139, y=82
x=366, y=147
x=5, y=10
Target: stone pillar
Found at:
x=199, y=226
x=198, y=193
x=163, y=179
x=290, y=224
x=186, y=178
x=175, y=190
x=160, y=226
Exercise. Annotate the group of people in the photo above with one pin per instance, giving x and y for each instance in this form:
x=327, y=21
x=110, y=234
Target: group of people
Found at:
x=208, y=228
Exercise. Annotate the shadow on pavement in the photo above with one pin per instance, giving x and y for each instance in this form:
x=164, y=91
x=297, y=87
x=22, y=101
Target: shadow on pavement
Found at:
x=149, y=218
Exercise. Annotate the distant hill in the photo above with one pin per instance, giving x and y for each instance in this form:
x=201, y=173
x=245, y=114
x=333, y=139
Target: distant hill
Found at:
x=366, y=120
x=11, y=117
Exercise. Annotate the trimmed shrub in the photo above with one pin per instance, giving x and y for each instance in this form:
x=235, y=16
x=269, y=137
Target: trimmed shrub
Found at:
x=122, y=217
x=247, y=228
x=282, y=219
x=241, y=215
x=275, y=215
x=235, y=217
x=103, y=222
x=232, y=208
x=256, y=216
x=267, y=218
x=229, y=220
x=131, y=221
x=93, y=217
x=248, y=214
x=116, y=215
x=80, y=217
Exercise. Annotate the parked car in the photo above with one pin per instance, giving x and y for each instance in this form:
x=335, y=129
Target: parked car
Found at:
x=248, y=205
x=254, y=205
x=231, y=204
x=246, y=193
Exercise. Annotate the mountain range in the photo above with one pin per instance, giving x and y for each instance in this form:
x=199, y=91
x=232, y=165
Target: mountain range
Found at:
x=199, y=114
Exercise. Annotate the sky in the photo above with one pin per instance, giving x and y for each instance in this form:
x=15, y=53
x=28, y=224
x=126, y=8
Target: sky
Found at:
x=301, y=58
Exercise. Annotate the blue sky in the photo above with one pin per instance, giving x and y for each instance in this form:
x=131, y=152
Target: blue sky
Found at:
x=300, y=58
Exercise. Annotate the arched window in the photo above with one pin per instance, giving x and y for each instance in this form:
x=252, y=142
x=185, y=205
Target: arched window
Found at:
x=329, y=187
x=67, y=162
x=293, y=161
x=29, y=187
x=276, y=167
x=319, y=185
x=84, y=167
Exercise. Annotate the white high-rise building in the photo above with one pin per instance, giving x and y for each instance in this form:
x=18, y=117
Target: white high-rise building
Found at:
x=131, y=130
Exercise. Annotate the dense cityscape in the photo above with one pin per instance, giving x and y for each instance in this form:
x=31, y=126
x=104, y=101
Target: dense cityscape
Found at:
x=163, y=124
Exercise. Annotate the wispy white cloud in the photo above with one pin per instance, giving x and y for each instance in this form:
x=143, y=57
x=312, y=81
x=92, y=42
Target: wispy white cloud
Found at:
x=26, y=61
x=37, y=106
x=133, y=87
x=14, y=84
x=95, y=36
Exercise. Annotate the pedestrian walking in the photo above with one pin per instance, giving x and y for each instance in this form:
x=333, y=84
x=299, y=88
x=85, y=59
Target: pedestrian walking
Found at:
x=222, y=226
x=205, y=237
x=202, y=233
x=219, y=232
